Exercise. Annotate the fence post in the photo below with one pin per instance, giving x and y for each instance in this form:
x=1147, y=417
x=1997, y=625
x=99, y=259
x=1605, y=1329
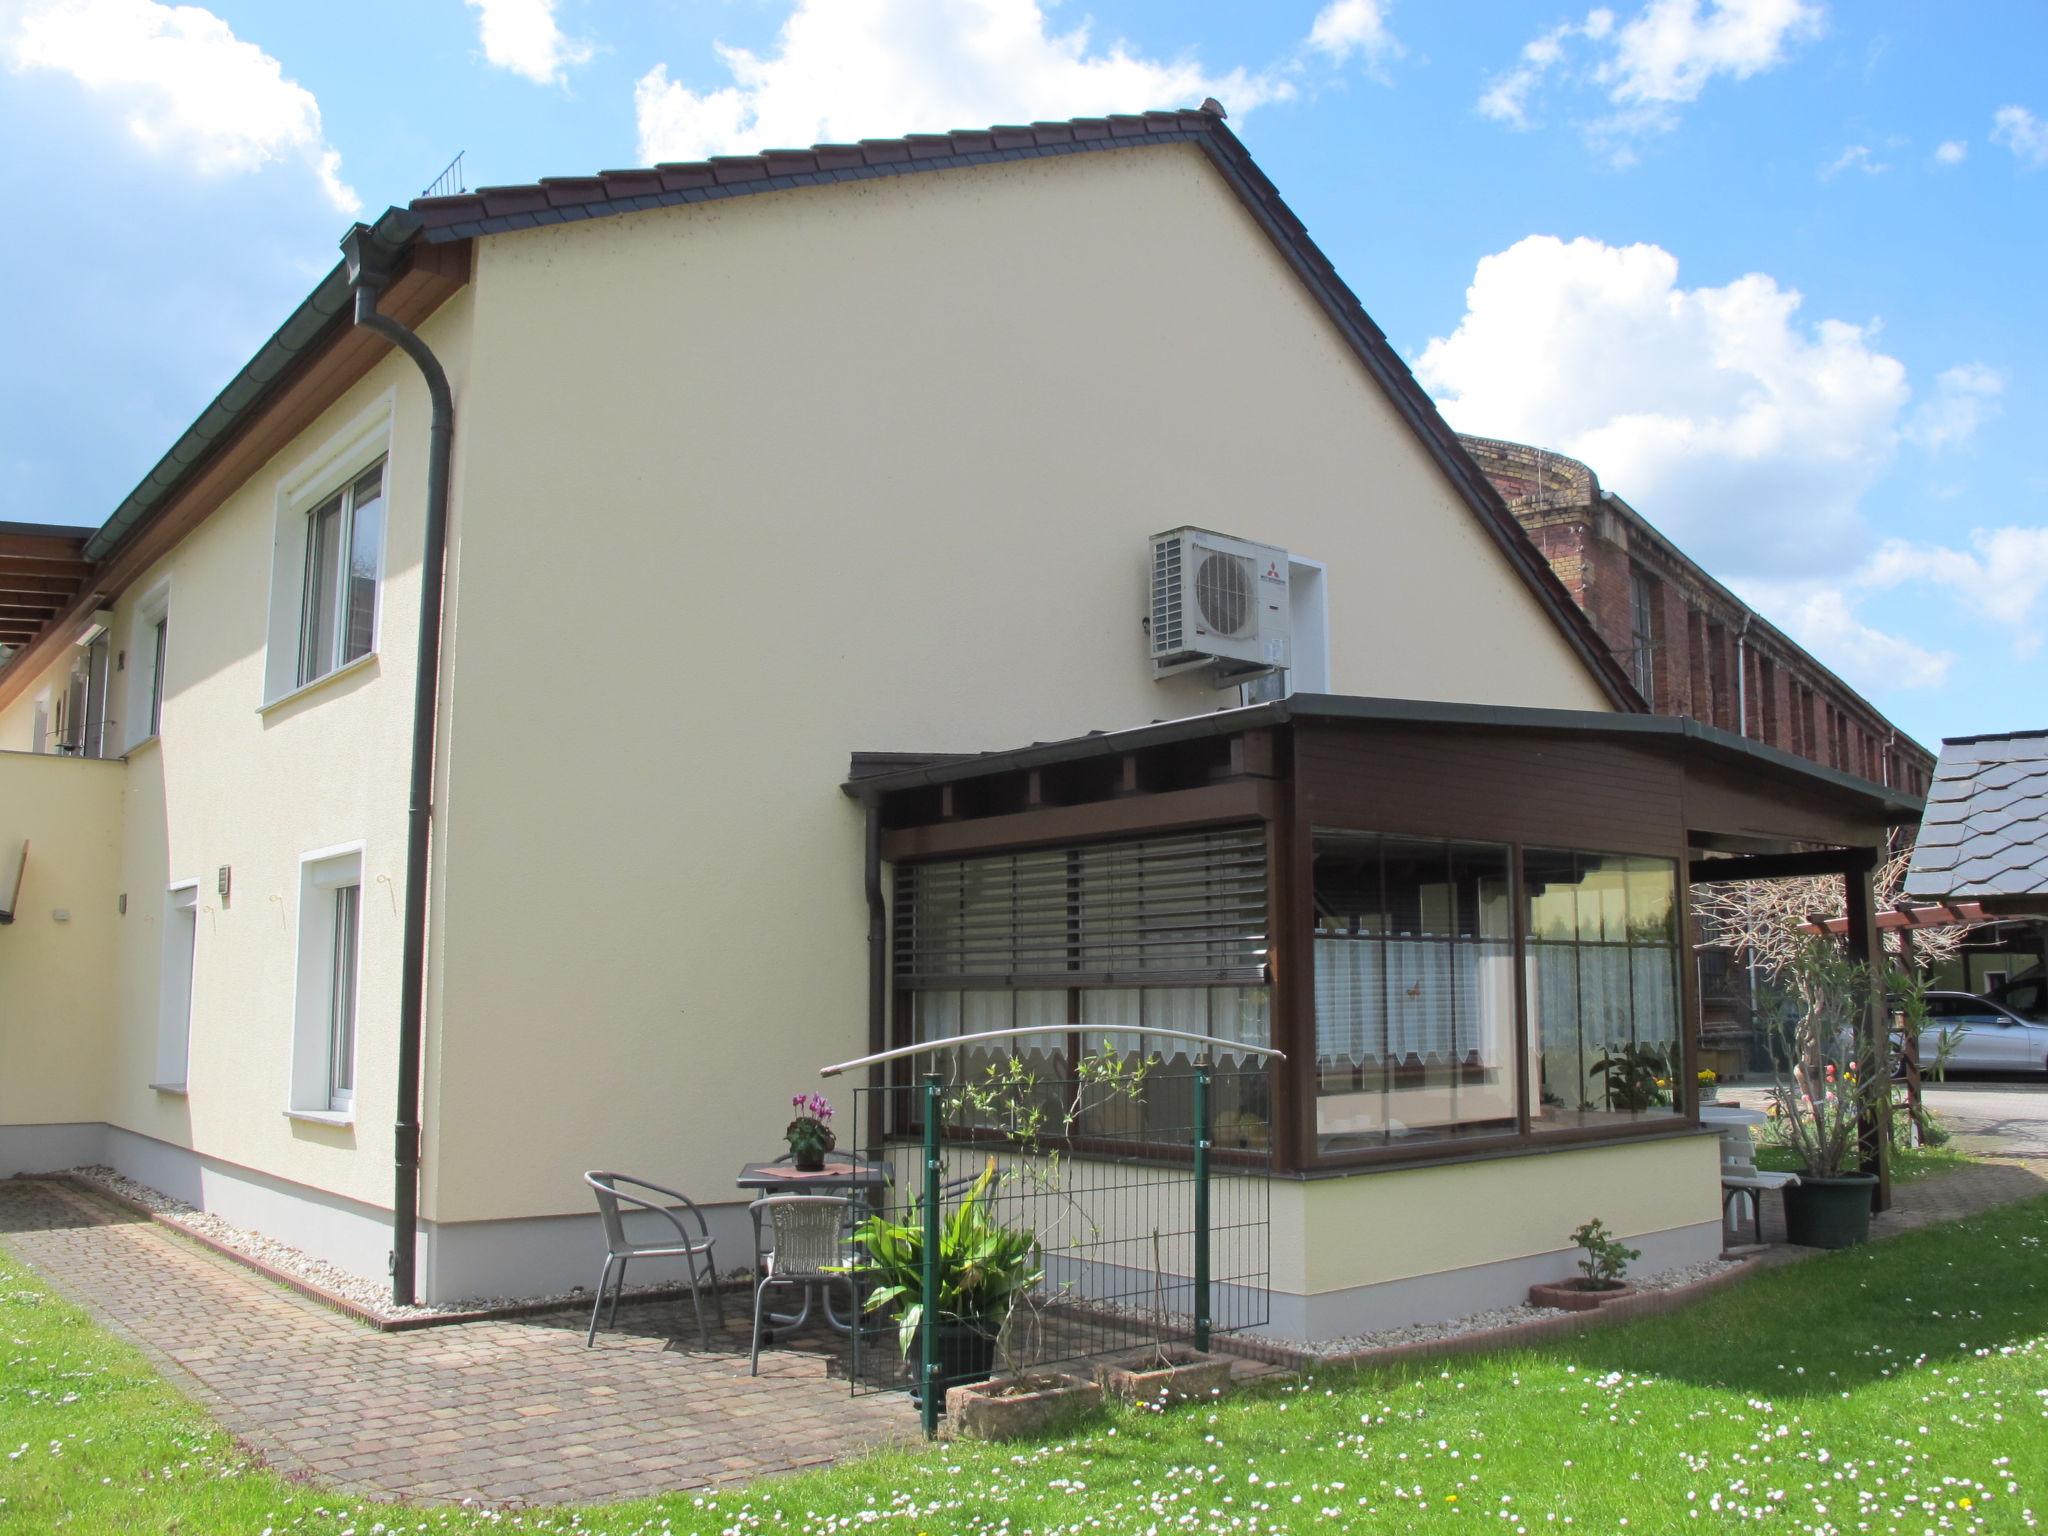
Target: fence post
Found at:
x=928, y=1329
x=1202, y=1201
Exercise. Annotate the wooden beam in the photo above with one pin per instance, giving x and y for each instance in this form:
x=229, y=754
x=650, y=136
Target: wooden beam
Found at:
x=1781, y=866
x=23, y=583
x=1239, y=800
x=12, y=608
x=38, y=546
x=315, y=383
x=72, y=571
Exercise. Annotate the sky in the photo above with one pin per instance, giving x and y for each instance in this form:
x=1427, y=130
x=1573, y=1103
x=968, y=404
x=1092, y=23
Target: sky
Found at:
x=1773, y=268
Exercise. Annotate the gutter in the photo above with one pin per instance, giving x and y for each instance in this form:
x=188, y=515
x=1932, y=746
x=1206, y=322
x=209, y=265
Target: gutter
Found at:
x=1742, y=678
x=372, y=257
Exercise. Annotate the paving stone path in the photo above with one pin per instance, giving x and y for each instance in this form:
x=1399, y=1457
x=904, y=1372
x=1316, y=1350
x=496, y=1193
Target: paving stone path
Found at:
x=500, y=1412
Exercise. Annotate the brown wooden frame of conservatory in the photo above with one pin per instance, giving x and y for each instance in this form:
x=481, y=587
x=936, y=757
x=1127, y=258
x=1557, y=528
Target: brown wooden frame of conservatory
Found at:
x=1298, y=772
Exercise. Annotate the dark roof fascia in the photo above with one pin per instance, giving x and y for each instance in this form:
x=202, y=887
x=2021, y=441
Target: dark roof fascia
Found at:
x=71, y=531
x=324, y=311
x=1641, y=524
x=1971, y=741
x=504, y=210
x=1673, y=729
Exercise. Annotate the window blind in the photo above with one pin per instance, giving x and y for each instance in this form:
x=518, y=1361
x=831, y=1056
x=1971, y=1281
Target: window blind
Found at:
x=1190, y=908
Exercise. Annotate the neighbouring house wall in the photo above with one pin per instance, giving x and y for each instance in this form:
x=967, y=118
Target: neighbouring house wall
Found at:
x=232, y=783
x=866, y=466
x=57, y=956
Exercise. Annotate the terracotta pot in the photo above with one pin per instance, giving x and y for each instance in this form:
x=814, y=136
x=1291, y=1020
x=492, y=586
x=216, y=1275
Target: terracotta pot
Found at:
x=1579, y=1295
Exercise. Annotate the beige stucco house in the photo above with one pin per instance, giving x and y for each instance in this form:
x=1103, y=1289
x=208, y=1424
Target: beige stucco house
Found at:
x=781, y=489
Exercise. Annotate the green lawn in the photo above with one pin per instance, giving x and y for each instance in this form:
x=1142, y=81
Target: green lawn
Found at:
x=1901, y=1387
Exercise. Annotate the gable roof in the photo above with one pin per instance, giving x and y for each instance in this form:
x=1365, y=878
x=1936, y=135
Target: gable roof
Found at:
x=446, y=221
x=1985, y=832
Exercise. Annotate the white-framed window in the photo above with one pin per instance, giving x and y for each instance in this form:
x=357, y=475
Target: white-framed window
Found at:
x=174, y=1002
x=148, y=659
x=330, y=970
x=327, y=564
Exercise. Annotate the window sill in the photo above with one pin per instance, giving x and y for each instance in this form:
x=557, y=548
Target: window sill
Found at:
x=341, y=1117
x=348, y=669
x=148, y=743
x=176, y=1090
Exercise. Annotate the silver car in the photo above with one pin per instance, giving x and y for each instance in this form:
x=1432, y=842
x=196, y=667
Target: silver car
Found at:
x=1988, y=1038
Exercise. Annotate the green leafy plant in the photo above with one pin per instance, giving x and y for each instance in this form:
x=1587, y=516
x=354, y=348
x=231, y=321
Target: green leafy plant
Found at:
x=1635, y=1077
x=1606, y=1258
x=984, y=1267
x=1832, y=1062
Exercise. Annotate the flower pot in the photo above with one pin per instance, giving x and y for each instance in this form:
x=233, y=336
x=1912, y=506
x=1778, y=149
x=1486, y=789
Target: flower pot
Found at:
x=1014, y=1406
x=1823, y=1212
x=807, y=1159
x=1709, y=1093
x=967, y=1354
x=1579, y=1295
x=1175, y=1373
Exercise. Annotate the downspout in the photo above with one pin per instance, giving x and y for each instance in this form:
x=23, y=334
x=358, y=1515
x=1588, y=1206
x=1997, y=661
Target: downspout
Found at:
x=1742, y=678
x=878, y=952
x=372, y=262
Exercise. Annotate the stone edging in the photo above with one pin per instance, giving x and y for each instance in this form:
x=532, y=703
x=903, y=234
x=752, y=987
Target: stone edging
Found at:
x=1508, y=1336
x=333, y=1300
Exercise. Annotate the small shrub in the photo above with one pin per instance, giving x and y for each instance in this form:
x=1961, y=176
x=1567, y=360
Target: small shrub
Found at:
x=1607, y=1258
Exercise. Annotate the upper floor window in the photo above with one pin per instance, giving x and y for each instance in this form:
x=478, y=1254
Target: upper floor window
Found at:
x=327, y=556
x=1642, y=636
x=344, y=552
x=147, y=661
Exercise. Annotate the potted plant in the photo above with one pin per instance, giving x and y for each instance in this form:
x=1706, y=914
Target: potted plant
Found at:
x=1635, y=1077
x=1604, y=1260
x=984, y=1268
x=810, y=1133
x=1710, y=1085
x=1831, y=1082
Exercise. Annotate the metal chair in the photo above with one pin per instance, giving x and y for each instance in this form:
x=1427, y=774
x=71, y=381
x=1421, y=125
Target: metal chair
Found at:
x=808, y=1246
x=619, y=1248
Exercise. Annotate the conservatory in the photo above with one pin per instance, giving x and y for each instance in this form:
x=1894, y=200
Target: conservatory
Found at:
x=1465, y=928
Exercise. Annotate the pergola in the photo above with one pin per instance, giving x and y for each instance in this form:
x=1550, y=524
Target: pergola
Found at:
x=43, y=570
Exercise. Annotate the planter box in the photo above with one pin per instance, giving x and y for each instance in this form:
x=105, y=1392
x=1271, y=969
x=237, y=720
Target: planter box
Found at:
x=1828, y=1213
x=1175, y=1373
x=1011, y=1407
x=1578, y=1295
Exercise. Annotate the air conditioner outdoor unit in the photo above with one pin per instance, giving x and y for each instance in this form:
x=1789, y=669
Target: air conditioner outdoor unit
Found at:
x=1217, y=602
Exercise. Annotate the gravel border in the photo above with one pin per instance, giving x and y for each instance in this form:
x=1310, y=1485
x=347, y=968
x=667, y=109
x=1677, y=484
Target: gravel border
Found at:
x=367, y=1301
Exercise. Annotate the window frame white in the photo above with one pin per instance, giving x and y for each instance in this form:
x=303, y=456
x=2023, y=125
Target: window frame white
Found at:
x=148, y=656
x=330, y=469
x=314, y=1091
x=177, y=977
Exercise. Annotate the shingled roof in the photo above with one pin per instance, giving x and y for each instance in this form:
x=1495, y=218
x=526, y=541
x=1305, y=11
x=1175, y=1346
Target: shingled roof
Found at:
x=1985, y=833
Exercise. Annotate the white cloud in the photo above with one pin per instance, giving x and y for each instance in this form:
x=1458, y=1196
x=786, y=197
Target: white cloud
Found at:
x=1347, y=27
x=1663, y=58
x=844, y=69
x=1747, y=436
x=182, y=84
x=2002, y=577
x=524, y=37
x=2022, y=133
x=1964, y=397
x=1952, y=151
x=1856, y=157
x=1826, y=621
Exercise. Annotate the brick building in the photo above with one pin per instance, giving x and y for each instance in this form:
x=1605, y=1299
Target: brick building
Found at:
x=1692, y=647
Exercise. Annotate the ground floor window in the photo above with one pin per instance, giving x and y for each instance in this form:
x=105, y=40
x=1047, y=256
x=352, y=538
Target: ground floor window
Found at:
x=1418, y=1034
x=1415, y=991
x=330, y=945
x=1100, y=946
